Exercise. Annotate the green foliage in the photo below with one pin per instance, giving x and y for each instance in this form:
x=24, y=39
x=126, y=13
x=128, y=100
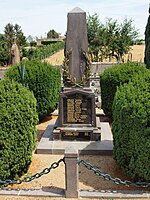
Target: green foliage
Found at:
x=48, y=42
x=95, y=31
x=111, y=78
x=44, y=80
x=18, y=118
x=52, y=34
x=147, y=44
x=19, y=36
x=3, y=50
x=126, y=35
x=33, y=44
x=139, y=42
x=131, y=128
x=110, y=39
x=13, y=33
x=41, y=52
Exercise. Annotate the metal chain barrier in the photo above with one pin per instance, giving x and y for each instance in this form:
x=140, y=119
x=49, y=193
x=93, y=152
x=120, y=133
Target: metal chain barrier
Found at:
x=108, y=177
x=30, y=178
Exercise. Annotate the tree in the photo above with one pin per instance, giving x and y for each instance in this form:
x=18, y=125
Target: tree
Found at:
x=52, y=34
x=3, y=50
x=9, y=32
x=20, y=38
x=13, y=33
x=110, y=39
x=125, y=38
x=147, y=43
x=95, y=32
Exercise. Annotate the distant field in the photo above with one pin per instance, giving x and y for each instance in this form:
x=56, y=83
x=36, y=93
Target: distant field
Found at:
x=56, y=59
x=137, y=52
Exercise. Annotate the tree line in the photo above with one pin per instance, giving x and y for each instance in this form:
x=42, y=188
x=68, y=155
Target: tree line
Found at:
x=106, y=40
x=110, y=40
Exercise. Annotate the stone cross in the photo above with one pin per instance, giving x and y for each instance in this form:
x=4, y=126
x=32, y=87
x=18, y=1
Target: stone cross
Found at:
x=76, y=42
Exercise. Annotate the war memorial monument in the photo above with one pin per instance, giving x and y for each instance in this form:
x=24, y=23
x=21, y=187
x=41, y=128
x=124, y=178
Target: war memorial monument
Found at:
x=77, y=124
x=77, y=117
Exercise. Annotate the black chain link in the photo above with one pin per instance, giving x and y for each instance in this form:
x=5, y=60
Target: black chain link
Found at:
x=30, y=178
x=108, y=177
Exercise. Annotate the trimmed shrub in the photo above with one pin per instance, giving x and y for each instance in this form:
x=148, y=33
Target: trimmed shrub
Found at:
x=115, y=76
x=131, y=129
x=48, y=42
x=44, y=80
x=18, y=118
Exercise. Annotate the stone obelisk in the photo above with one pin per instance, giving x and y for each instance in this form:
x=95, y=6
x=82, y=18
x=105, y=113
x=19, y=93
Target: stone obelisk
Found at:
x=76, y=43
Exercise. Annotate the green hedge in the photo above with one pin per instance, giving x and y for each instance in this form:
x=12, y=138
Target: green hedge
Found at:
x=44, y=80
x=113, y=77
x=18, y=118
x=50, y=42
x=131, y=129
x=41, y=52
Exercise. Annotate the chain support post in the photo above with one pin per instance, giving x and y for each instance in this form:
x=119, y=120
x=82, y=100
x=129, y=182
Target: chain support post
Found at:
x=71, y=173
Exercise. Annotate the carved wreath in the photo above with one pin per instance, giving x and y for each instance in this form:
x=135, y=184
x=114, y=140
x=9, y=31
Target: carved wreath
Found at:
x=69, y=78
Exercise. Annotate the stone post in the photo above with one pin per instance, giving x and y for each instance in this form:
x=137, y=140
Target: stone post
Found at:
x=71, y=173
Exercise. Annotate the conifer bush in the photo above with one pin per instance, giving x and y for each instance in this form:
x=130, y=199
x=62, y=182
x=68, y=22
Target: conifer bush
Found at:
x=44, y=80
x=131, y=128
x=18, y=118
x=113, y=77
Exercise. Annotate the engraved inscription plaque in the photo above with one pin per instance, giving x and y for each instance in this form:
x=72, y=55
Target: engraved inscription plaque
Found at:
x=77, y=109
x=75, y=136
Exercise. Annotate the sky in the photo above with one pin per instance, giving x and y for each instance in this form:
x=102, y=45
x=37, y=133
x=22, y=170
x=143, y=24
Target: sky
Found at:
x=37, y=17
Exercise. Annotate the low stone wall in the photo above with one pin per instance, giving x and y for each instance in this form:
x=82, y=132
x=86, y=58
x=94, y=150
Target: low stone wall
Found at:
x=99, y=67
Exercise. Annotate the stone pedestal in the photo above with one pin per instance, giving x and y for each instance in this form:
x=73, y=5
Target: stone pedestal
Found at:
x=77, y=117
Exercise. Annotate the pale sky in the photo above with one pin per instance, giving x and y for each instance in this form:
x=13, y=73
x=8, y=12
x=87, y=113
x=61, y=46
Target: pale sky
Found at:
x=37, y=17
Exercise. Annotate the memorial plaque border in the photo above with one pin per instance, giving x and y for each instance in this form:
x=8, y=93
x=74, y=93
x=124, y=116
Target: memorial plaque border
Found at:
x=64, y=95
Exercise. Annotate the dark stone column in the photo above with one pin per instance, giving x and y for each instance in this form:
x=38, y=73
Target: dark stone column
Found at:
x=76, y=41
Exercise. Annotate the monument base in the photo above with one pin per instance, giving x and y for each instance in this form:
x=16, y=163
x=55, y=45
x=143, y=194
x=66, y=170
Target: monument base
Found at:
x=78, y=133
x=77, y=116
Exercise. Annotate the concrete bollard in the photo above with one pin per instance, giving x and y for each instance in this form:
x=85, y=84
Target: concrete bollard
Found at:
x=71, y=173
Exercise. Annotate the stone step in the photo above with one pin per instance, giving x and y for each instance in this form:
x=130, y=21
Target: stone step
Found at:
x=104, y=147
